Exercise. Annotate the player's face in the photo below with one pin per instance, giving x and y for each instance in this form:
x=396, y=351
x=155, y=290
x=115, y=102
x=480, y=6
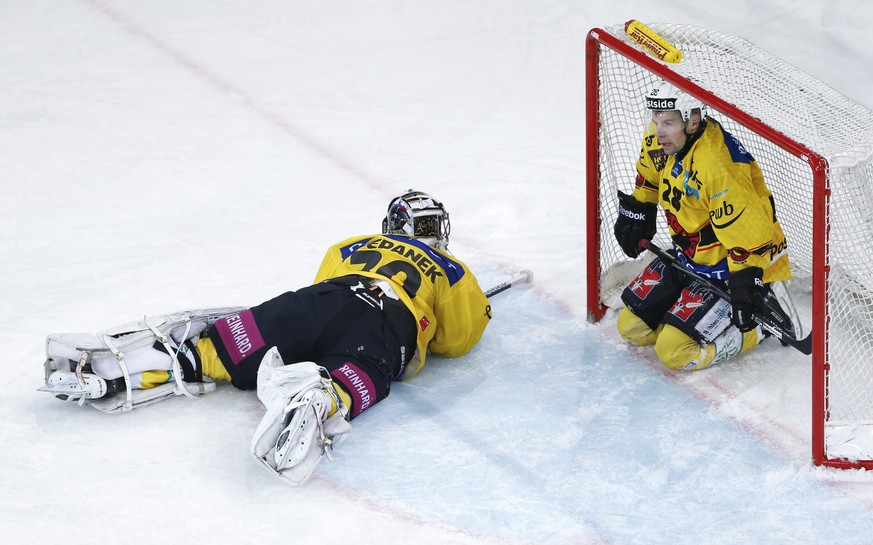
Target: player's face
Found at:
x=670, y=130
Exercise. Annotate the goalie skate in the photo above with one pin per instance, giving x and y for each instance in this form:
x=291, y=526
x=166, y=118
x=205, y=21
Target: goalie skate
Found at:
x=72, y=373
x=296, y=433
x=66, y=385
x=303, y=421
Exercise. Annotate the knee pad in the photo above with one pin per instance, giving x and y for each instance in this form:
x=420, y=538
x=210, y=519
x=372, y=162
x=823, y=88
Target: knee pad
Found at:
x=634, y=330
x=678, y=351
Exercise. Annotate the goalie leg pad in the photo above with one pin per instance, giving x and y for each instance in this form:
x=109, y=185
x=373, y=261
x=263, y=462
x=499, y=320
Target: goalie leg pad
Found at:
x=128, y=350
x=296, y=432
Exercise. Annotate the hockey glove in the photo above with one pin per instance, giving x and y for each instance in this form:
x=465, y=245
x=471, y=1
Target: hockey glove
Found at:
x=635, y=222
x=746, y=292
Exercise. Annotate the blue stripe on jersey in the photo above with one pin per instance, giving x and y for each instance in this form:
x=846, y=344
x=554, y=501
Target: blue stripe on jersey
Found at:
x=719, y=271
x=346, y=251
x=738, y=151
x=453, y=270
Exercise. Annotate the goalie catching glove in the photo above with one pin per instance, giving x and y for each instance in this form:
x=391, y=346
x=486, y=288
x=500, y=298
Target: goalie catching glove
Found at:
x=305, y=418
x=635, y=222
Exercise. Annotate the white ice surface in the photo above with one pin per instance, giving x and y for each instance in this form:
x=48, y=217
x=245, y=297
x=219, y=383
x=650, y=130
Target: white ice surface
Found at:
x=160, y=155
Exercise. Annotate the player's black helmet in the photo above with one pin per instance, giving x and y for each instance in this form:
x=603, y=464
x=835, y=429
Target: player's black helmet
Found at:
x=417, y=214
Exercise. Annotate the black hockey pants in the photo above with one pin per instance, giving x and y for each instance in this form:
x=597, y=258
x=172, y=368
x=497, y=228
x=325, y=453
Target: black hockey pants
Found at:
x=364, y=339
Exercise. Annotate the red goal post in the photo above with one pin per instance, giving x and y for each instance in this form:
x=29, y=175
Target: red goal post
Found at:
x=814, y=146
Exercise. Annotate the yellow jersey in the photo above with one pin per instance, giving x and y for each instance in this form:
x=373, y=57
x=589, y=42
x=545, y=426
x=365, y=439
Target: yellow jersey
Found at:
x=720, y=213
x=440, y=291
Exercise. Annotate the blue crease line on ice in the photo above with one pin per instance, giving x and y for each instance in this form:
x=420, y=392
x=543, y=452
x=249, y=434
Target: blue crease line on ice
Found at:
x=546, y=432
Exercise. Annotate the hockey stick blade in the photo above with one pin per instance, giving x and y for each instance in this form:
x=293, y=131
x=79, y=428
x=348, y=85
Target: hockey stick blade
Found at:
x=519, y=277
x=765, y=316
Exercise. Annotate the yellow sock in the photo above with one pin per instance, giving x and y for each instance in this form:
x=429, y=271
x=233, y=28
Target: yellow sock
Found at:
x=212, y=366
x=344, y=397
x=150, y=379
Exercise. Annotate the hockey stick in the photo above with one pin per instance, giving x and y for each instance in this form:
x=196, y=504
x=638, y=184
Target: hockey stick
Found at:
x=763, y=314
x=521, y=276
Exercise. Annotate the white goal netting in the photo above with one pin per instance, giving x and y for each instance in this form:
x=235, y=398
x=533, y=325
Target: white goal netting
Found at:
x=811, y=114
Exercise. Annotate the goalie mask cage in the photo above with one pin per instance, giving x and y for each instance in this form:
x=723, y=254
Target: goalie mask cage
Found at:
x=814, y=147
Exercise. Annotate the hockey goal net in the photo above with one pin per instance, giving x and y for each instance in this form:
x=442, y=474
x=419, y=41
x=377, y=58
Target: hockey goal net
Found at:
x=814, y=147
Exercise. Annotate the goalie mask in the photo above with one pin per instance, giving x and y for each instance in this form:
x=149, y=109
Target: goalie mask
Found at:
x=418, y=215
x=666, y=96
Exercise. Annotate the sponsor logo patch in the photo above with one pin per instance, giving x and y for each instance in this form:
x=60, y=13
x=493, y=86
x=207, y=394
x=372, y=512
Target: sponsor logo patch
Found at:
x=739, y=255
x=240, y=335
x=687, y=304
x=358, y=385
x=660, y=103
x=645, y=282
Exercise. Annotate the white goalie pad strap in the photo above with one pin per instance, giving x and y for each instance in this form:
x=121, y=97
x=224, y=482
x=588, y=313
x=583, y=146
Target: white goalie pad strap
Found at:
x=105, y=346
x=174, y=354
x=127, y=350
x=282, y=389
x=119, y=357
x=140, y=398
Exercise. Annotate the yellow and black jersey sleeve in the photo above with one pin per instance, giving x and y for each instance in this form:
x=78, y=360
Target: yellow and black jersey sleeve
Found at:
x=741, y=207
x=719, y=211
x=443, y=295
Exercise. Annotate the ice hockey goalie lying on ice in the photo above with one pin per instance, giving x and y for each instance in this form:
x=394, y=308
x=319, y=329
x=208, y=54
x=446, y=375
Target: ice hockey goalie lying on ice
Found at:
x=318, y=356
x=722, y=220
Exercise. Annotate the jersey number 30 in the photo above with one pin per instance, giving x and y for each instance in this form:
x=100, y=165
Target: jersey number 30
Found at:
x=371, y=258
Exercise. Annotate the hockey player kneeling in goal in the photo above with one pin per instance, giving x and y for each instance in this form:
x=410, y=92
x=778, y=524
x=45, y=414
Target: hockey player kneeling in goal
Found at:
x=722, y=221
x=318, y=356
